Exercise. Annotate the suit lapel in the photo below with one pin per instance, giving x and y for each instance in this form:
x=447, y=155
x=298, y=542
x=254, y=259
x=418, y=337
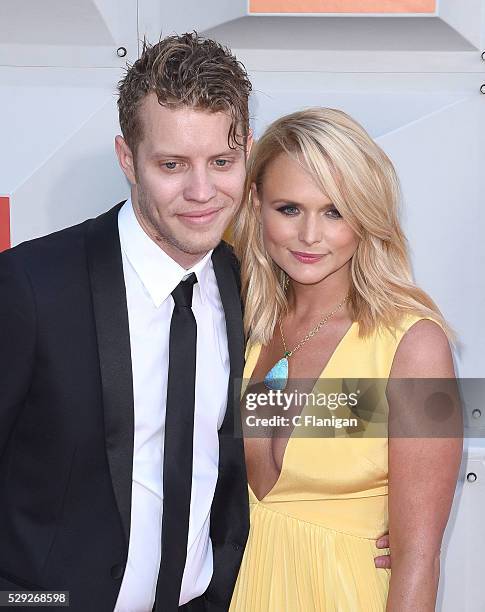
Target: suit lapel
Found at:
x=229, y=523
x=231, y=302
x=111, y=317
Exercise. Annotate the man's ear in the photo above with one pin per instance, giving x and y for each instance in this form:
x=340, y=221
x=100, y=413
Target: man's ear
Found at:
x=125, y=159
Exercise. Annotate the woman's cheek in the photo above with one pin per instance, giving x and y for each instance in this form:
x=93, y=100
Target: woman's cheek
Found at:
x=340, y=236
x=277, y=231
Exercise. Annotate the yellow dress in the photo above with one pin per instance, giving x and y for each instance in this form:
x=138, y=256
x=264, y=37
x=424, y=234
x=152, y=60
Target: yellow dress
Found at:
x=311, y=545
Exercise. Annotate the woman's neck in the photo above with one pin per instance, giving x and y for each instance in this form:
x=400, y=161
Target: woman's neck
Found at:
x=310, y=301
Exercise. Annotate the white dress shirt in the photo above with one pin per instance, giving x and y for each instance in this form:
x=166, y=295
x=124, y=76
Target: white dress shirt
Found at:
x=150, y=277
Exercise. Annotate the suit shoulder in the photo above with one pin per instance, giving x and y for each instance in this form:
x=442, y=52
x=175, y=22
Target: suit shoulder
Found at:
x=54, y=253
x=228, y=251
x=56, y=242
x=54, y=247
x=225, y=250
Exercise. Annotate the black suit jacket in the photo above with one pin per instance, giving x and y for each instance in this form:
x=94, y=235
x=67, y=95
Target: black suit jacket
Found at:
x=67, y=425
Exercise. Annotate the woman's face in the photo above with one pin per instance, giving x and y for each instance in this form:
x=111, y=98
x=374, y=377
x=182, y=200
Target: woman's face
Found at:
x=302, y=230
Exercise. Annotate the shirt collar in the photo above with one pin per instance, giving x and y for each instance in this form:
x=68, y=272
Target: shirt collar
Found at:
x=158, y=272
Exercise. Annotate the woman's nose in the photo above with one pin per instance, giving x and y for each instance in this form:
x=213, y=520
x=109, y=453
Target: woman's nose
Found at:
x=310, y=231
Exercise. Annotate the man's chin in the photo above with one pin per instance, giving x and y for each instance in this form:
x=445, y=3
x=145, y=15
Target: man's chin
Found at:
x=197, y=241
x=200, y=249
x=197, y=247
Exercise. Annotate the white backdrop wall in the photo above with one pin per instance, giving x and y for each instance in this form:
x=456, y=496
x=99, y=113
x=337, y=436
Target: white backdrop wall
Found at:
x=413, y=82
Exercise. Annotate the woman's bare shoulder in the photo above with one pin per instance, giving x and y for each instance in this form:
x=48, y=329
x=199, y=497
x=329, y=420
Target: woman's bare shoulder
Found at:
x=423, y=352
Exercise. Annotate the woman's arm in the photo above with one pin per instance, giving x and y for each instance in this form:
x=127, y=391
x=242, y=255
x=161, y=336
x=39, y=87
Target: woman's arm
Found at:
x=423, y=467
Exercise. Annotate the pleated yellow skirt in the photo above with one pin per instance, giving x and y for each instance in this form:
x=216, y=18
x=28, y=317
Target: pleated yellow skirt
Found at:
x=292, y=565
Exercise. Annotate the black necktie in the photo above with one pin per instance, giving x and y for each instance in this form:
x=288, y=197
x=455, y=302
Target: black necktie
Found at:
x=177, y=460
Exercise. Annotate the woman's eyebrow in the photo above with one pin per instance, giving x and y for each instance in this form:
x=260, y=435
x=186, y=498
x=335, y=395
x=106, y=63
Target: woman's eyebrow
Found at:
x=293, y=203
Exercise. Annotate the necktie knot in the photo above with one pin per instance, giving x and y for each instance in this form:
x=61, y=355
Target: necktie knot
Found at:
x=182, y=294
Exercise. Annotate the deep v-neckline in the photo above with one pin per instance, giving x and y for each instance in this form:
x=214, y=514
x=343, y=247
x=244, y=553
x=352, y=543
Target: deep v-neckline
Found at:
x=321, y=375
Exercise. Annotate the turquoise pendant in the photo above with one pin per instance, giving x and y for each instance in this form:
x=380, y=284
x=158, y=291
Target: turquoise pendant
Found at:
x=277, y=378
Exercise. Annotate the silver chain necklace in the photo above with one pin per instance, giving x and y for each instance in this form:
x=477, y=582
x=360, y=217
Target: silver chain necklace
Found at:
x=277, y=377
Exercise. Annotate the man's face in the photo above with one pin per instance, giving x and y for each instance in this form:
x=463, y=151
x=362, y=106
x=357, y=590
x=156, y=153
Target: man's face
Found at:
x=187, y=182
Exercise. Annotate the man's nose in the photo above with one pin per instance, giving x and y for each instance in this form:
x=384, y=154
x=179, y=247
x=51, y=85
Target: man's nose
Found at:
x=200, y=186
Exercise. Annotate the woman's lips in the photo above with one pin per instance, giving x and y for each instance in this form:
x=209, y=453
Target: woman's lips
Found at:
x=307, y=257
x=200, y=217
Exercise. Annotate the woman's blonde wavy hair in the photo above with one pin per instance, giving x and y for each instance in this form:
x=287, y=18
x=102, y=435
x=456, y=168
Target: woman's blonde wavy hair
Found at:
x=356, y=174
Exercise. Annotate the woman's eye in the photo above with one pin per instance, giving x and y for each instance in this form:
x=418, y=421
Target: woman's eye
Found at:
x=333, y=213
x=288, y=210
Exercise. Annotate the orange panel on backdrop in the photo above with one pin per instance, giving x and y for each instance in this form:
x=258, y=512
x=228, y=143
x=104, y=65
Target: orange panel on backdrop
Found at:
x=342, y=6
x=4, y=223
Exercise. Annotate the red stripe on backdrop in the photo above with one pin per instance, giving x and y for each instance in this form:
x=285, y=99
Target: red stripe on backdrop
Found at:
x=4, y=223
x=342, y=6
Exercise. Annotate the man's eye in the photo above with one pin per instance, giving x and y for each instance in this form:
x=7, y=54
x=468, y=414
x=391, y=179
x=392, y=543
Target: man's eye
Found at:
x=288, y=210
x=170, y=165
x=222, y=163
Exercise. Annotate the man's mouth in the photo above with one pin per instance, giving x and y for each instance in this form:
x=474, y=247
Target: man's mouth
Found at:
x=200, y=217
